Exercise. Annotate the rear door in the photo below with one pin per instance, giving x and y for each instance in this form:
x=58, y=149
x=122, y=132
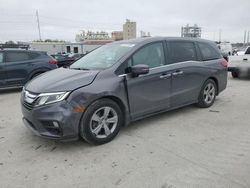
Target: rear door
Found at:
x=187, y=72
x=151, y=92
x=17, y=67
x=2, y=71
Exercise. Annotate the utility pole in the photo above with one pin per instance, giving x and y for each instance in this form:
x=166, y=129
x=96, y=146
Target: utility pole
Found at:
x=38, y=25
x=220, y=35
x=248, y=37
x=245, y=33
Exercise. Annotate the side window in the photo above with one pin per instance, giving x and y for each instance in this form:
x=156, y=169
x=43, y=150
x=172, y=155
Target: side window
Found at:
x=208, y=52
x=1, y=57
x=248, y=50
x=181, y=51
x=17, y=56
x=151, y=55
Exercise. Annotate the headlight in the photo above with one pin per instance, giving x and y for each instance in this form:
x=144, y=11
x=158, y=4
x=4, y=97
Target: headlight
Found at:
x=48, y=98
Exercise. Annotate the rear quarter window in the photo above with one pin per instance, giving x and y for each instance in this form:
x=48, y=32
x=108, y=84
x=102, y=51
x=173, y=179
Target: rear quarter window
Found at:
x=208, y=52
x=17, y=56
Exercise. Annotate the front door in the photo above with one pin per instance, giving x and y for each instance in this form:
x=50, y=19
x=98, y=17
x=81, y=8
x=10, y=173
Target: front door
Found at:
x=151, y=92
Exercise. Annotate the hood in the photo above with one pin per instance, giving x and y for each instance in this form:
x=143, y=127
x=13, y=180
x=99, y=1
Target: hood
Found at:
x=61, y=80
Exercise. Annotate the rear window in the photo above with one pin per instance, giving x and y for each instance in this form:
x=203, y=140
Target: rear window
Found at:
x=208, y=52
x=181, y=51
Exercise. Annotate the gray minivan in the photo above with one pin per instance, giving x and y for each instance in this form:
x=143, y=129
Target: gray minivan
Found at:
x=122, y=82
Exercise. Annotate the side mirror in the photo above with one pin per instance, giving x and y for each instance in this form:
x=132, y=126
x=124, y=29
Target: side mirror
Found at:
x=139, y=69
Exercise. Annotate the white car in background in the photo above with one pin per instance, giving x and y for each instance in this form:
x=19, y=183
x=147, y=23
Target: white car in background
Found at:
x=239, y=64
x=226, y=47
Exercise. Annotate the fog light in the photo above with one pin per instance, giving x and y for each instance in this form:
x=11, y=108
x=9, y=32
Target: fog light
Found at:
x=56, y=124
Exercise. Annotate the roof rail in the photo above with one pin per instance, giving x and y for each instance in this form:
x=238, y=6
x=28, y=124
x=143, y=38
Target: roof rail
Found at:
x=18, y=46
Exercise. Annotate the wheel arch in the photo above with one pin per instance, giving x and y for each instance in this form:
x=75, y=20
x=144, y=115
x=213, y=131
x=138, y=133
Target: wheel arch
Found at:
x=119, y=102
x=38, y=71
x=216, y=82
x=116, y=100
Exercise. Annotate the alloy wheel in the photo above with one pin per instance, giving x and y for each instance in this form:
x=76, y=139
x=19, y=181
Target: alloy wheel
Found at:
x=103, y=122
x=209, y=93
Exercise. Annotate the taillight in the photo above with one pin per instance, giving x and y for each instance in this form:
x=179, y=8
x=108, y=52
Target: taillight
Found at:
x=224, y=63
x=53, y=61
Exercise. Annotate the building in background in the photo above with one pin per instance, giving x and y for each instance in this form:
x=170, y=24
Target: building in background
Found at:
x=90, y=35
x=191, y=31
x=49, y=47
x=117, y=35
x=145, y=34
x=81, y=47
x=129, y=30
x=87, y=41
x=67, y=47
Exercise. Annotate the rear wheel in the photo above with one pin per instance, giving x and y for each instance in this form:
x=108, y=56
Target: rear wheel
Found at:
x=235, y=74
x=101, y=122
x=207, y=94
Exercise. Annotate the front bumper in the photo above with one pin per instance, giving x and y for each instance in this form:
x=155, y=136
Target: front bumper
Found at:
x=42, y=121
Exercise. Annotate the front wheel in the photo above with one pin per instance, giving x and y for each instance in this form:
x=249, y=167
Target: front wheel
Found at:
x=101, y=122
x=207, y=94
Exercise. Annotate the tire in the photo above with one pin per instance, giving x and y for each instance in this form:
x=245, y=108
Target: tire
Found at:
x=235, y=74
x=94, y=126
x=207, y=94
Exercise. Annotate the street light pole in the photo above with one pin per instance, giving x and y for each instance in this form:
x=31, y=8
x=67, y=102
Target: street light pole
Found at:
x=38, y=25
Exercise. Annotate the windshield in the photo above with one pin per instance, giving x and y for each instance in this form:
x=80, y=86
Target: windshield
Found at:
x=103, y=57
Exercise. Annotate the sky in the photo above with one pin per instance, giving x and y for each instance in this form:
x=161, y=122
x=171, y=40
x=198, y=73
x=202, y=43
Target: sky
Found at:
x=63, y=19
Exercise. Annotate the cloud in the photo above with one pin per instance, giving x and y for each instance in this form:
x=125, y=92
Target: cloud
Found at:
x=63, y=19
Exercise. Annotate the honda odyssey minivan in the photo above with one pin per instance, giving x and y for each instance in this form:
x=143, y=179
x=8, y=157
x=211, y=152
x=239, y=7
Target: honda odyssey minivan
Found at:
x=122, y=82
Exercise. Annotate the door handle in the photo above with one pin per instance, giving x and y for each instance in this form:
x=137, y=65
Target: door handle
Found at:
x=165, y=76
x=245, y=59
x=177, y=73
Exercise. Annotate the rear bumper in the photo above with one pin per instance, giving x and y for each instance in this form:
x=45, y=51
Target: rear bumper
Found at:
x=41, y=121
x=222, y=80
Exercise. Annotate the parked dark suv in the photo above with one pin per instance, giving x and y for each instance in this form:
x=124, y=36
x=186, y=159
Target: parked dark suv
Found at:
x=63, y=60
x=19, y=66
x=122, y=82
